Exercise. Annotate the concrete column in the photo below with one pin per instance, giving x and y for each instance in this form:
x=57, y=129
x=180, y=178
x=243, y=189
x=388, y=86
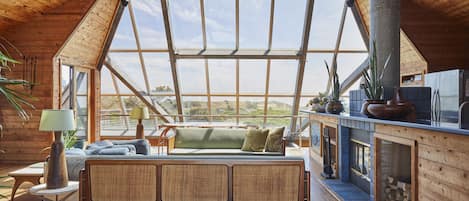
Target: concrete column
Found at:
x=385, y=29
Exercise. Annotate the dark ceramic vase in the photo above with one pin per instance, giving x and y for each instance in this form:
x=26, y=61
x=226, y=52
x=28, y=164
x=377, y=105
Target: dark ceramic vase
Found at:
x=394, y=109
x=334, y=107
x=366, y=103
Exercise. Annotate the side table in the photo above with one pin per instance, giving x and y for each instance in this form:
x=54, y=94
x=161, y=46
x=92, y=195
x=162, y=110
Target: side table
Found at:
x=32, y=173
x=67, y=191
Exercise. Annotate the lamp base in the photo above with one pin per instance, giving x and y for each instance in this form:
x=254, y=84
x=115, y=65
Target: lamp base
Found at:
x=57, y=176
x=139, y=134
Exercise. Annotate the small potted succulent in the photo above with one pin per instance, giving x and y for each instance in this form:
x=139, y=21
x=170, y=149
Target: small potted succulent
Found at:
x=318, y=104
x=373, y=83
x=334, y=106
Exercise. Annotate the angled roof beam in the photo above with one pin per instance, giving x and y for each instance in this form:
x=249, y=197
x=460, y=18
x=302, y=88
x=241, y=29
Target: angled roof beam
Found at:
x=121, y=102
x=172, y=57
x=302, y=62
x=204, y=26
x=337, y=46
x=359, y=21
x=111, y=32
x=236, y=56
x=139, y=94
x=237, y=24
x=271, y=25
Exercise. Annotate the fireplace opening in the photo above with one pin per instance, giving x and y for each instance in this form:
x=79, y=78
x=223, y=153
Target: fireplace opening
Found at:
x=394, y=170
x=360, y=164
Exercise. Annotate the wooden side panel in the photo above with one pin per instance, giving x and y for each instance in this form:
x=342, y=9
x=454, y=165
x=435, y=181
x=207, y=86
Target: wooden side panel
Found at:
x=258, y=183
x=85, y=45
x=123, y=182
x=194, y=182
x=39, y=37
x=443, y=162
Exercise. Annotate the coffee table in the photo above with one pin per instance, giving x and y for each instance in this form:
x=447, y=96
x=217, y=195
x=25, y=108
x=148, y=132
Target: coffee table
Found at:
x=32, y=173
x=67, y=191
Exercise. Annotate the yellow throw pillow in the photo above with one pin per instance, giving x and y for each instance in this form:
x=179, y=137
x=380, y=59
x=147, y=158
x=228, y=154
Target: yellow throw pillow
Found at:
x=255, y=140
x=274, y=140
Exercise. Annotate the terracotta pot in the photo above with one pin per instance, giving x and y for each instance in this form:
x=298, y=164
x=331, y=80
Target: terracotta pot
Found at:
x=334, y=107
x=365, y=105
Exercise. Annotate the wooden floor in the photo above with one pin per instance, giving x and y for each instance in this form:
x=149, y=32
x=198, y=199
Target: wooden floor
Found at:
x=318, y=192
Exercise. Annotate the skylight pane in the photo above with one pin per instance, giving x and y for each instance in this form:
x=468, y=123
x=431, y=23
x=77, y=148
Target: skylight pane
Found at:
x=289, y=19
x=186, y=25
x=224, y=105
x=168, y=103
x=348, y=62
x=220, y=24
x=278, y=122
x=112, y=123
x=351, y=38
x=315, y=75
x=280, y=106
x=254, y=22
x=252, y=76
x=124, y=37
x=129, y=65
x=159, y=73
x=253, y=106
x=196, y=107
x=283, y=76
x=222, y=76
x=107, y=86
x=150, y=26
x=192, y=76
x=325, y=24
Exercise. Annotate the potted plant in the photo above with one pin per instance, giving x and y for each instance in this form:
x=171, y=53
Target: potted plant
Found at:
x=318, y=104
x=15, y=98
x=334, y=106
x=373, y=82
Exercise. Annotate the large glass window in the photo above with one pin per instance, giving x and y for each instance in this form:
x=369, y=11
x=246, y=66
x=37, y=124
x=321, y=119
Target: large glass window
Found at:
x=221, y=83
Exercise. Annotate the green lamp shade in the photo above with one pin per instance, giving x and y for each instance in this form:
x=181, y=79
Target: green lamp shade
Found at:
x=57, y=120
x=140, y=113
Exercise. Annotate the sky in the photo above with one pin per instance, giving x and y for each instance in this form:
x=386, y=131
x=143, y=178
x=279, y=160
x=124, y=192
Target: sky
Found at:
x=186, y=27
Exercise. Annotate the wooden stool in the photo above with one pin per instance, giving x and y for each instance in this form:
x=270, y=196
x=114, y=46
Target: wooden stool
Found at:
x=32, y=173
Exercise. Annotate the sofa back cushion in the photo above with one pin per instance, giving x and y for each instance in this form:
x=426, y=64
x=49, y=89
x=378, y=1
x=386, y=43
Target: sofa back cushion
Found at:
x=209, y=138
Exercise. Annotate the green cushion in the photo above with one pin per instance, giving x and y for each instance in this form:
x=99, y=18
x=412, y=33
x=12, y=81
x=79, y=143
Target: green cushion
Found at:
x=255, y=140
x=209, y=138
x=274, y=140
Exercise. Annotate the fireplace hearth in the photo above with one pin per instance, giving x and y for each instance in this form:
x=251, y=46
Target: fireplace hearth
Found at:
x=395, y=174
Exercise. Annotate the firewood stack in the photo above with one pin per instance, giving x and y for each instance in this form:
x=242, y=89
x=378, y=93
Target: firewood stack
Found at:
x=397, y=190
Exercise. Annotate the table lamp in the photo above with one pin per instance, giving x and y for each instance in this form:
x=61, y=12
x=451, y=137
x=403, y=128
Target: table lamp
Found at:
x=57, y=121
x=140, y=113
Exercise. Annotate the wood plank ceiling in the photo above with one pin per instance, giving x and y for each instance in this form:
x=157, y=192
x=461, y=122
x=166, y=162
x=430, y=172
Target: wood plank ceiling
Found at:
x=434, y=34
x=19, y=11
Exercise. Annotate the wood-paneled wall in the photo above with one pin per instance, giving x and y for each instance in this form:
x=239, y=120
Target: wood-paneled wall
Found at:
x=66, y=32
x=442, y=162
x=442, y=39
x=412, y=62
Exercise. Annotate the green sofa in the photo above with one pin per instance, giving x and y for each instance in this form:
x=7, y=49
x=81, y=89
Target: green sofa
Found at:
x=211, y=141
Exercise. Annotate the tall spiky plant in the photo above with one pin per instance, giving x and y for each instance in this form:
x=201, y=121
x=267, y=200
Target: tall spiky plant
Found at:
x=373, y=80
x=334, y=81
x=15, y=98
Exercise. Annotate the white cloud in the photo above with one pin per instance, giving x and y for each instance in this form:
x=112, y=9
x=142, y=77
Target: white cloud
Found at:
x=151, y=7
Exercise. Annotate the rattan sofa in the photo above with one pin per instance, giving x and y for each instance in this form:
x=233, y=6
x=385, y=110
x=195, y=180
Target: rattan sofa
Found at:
x=183, y=178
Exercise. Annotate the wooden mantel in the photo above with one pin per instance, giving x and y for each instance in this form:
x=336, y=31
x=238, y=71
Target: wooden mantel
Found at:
x=441, y=154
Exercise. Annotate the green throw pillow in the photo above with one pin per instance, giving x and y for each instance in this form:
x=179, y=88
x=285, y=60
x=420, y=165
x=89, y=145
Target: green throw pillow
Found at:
x=255, y=140
x=274, y=140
